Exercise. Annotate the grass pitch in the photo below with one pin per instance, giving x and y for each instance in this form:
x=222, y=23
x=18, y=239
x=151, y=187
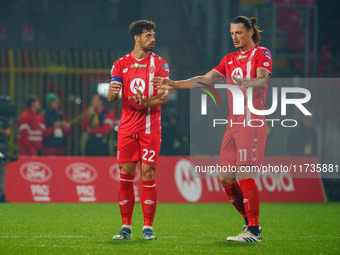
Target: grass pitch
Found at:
x=180, y=228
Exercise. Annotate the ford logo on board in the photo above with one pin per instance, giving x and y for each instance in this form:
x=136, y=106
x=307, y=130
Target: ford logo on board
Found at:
x=35, y=172
x=81, y=173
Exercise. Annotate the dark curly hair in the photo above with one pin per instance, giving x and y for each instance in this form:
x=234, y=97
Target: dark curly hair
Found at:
x=138, y=27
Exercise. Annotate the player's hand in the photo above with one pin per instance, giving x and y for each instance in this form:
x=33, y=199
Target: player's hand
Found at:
x=138, y=99
x=163, y=83
x=243, y=83
x=115, y=87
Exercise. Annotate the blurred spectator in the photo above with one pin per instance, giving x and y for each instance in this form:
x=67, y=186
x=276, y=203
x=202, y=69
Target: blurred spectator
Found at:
x=57, y=128
x=31, y=128
x=98, y=123
x=303, y=140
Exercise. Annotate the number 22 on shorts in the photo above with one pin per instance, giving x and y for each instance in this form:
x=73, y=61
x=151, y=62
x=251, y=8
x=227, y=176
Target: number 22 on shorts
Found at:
x=148, y=155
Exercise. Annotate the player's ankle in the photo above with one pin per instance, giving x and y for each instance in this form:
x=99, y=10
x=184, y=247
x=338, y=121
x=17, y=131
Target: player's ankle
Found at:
x=255, y=230
x=147, y=227
x=127, y=226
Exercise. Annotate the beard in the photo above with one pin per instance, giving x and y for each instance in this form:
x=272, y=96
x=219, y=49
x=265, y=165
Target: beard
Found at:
x=148, y=48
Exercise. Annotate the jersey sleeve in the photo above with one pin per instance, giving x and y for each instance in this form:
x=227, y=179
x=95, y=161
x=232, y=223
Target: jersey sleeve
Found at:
x=116, y=72
x=264, y=60
x=221, y=67
x=164, y=70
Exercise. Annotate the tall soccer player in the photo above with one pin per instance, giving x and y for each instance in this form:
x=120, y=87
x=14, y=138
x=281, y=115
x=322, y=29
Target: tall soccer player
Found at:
x=242, y=145
x=139, y=134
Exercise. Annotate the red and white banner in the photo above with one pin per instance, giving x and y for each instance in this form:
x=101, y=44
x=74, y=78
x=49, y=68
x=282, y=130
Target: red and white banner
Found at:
x=96, y=179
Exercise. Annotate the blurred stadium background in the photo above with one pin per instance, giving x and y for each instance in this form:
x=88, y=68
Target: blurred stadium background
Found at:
x=68, y=47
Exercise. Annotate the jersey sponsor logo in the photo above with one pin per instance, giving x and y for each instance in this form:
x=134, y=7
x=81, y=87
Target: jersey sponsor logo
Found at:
x=242, y=56
x=152, y=69
x=125, y=70
x=137, y=83
x=35, y=172
x=165, y=65
x=188, y=181
x=81, y=173
x=238, y=73
x=266, y=64
x=267, y=53
x=136, y=65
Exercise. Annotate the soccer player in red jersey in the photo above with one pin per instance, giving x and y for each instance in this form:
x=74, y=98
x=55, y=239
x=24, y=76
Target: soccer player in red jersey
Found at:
x=242, y=145
x=139, y=133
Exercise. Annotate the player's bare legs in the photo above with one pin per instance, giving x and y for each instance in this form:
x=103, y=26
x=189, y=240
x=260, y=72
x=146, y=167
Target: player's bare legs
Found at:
x=149, y=198
x=126, y=198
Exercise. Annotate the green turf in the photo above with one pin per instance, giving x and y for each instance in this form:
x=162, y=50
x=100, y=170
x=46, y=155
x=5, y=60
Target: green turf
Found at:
x=180, y=228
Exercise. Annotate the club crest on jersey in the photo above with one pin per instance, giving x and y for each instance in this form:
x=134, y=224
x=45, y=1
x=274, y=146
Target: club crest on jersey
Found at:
x=237, y=72
x=137, y=83
x=152, y=69
x=242, y=56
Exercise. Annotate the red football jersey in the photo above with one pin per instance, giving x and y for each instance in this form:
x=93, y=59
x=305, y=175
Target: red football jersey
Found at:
x=244, y=65
x=133, y=72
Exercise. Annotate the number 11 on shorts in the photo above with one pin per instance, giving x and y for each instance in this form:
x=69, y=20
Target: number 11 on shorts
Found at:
x=243, y=154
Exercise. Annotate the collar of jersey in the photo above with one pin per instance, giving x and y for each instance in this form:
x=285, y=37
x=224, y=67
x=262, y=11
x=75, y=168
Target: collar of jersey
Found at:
x=140, y=59
x=242, y=52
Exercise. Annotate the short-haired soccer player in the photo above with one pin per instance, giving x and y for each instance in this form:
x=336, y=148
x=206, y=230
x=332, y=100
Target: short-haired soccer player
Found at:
x=249, y=68
x=139, y=133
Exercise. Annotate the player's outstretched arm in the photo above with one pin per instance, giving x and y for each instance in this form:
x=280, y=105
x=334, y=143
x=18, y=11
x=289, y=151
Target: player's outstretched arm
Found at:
x=195, y=82
x=114, y=90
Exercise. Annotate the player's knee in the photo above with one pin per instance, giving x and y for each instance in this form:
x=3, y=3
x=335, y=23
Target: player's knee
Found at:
x=125, y=169
x=148, y=174
x=226, y=181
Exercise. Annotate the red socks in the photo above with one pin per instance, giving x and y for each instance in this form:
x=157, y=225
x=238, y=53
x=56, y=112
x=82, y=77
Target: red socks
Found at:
x=251, y=201
x=235, y=196
x=245, y=198
x=126, y=198
x=149, y=201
